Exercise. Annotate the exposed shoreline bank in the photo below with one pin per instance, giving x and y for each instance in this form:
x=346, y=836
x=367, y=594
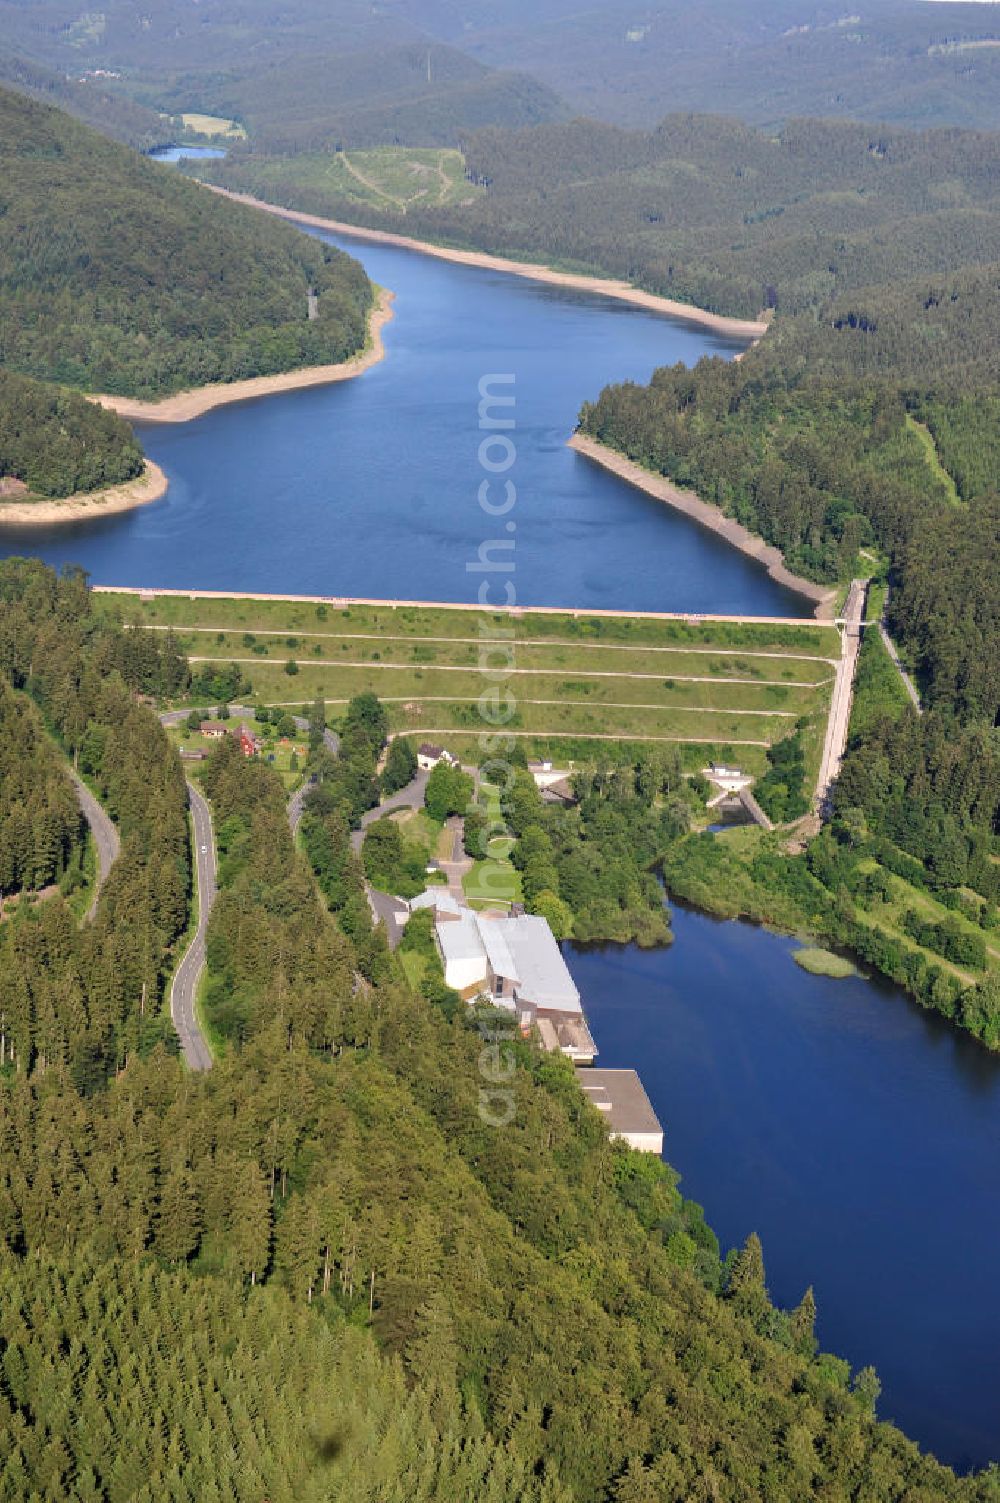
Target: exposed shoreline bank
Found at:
x=185, y=405
x=735, y=328
x=149, y=486
x=732, y=532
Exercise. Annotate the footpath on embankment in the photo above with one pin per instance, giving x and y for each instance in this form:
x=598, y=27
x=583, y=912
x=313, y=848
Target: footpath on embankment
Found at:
x=734, y=328
x=517, y=612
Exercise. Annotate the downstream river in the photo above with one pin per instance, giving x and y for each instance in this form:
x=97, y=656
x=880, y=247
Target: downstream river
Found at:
x=857, y=1134
x=860, y=1137
x=369, y=487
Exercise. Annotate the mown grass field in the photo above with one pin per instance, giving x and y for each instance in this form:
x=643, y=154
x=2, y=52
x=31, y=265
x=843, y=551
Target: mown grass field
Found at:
x=493, y=881
x=714, y=688
x=212, y=125
x=937, y=469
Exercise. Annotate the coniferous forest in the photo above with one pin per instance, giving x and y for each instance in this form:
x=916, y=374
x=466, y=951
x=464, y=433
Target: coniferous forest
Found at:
x=320, y=1272
x=207, y=292
x=317, y=1271
x=57, y=443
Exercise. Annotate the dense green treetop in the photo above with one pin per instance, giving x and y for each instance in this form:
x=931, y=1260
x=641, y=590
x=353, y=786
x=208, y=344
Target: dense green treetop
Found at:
x=118, y=275
x=57, y=442
x=716, y=213
x=41, y=827
x=322, y=1271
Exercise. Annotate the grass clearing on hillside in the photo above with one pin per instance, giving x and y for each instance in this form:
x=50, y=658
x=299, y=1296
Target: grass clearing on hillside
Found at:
x=392, y=178
x=213, y=125
x=890, y=917
x=937, y=469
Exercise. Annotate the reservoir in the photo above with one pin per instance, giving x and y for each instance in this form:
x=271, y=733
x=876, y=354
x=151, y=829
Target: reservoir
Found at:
x=181, y=153
x=858, y=1135
x=369, y=486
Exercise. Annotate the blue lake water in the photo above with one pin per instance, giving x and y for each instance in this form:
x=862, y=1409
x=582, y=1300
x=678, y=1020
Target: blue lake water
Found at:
x=369, y=487
x=858, y=1135
x=186, y=153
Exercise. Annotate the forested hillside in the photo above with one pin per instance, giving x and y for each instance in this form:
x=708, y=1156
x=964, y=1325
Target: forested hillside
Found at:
x=420, y=94
x=818, y=468
x=82, y=1001
x=41, y=827
x=923, y=64
x=118, y=276
x=91, y=98
x=55, y=442
x=715, y=213
x=760, y=60
x=360, y=1286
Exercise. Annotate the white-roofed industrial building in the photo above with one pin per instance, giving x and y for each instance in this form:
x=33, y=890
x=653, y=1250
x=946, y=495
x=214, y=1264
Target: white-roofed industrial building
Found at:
x=462, y=954
x=517, y=964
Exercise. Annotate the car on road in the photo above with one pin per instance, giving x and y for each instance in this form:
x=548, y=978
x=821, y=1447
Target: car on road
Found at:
x=204, y=850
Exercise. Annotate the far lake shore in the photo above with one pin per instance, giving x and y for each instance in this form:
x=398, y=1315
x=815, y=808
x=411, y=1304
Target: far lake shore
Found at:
x=735, y=328
x=708, y=516
x=149, y=486
x=185, y=405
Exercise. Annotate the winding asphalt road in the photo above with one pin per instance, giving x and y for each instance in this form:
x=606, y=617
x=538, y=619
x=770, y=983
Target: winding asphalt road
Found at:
x=106, y=838
x=187, y=978
x=295, y=806
x=184, y=989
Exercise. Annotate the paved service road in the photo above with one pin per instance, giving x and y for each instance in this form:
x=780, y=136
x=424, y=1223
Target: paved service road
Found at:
x=295, y=806
x=458, y=865
x=843, y=690
x=106, y=839
x=410, y=797
x=184, y=989
x=392, y=912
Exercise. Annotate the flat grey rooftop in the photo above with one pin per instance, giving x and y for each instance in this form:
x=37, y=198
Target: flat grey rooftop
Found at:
x=622, y=1095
